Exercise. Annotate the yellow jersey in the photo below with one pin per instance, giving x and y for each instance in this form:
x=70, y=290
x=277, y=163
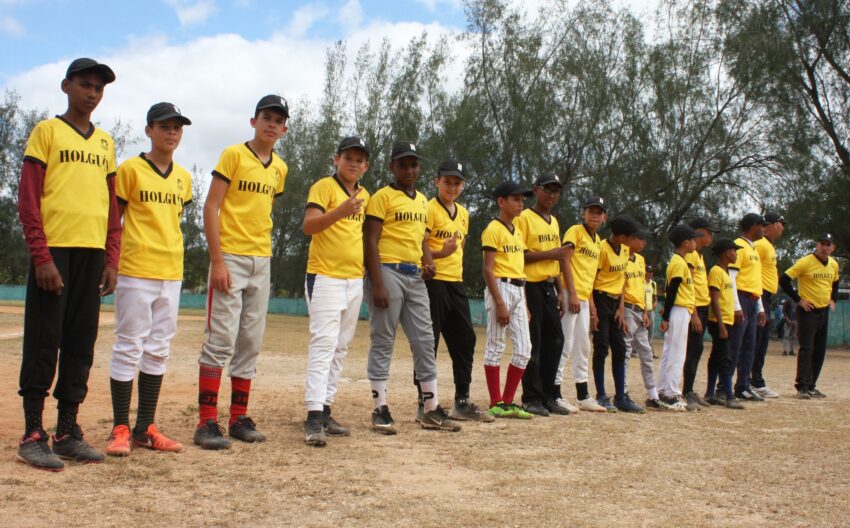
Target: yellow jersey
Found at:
x=338, y=250
x=508, y=242
x=404, y=218
x=540, y=235
x=245, y=216
x=749, y=268
x=769, y=271
x=441, y=226
x=75, y=198
x=719, y=279
x=700, y=275
x=611, y=270
x=151, y=241
x=635, y=282
x=650, y=290
x=815, y=279
x=585, y=259
x=678, y=268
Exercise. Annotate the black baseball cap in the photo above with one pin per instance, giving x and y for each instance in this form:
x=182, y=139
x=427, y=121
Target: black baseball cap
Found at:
x=164, y=111
x=547, y=179
x=650, y=268
x=826, y=237
x=624, y=225
x=85, y=64
x=509, y=188
x=641, y=232
x=351, y=142
x=275, y=102
x=404, y=149
x=682, y=232
x=751, y=219
x=722, y=245
x=451, y=168
x=772, y=218
x=703, y=223
x=597, y=201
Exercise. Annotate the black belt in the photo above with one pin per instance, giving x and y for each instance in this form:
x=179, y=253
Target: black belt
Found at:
x=752, y=296
x=611, y=295
x=513, y=282
x=403, y=267
x=546, y=281
x=633, y=307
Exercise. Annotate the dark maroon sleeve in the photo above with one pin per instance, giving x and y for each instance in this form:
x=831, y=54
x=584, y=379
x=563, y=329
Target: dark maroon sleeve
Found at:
x=29, y=210
x=113, y=226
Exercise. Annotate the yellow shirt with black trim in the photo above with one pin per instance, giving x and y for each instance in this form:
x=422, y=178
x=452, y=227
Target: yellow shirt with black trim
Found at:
x=75, y=197
x=678, y=268
x=650, y=291
x=442, y=225
x=585, y=259
x=719, y=279
x=749, y=268
x=815, y=278
x=700, y=275
x=404, y=218
x=337, y=251
x=611, y=271
x=636, y=281
x=769, y=271
x=508, y=242
x=151, y=241
x=540, y=235
x=245, y=217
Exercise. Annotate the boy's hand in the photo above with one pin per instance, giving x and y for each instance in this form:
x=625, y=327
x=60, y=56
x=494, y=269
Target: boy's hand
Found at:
x=762, y=319
x=47, y=277
x=594, y=321
x=562, y=304
x=646, y=320
x=380, y=296
x=620, y=318
x=574, y=303
x=502, y=313
x=220, y=278
x=805, y=305
x=724, y=334
x=428, y=271
x=664, y=326
x=696, y=324
x=739, y=316
x=449, y=246
x=350, y=206
x=108, y=280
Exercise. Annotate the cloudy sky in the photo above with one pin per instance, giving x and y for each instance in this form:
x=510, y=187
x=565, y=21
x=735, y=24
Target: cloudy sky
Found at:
x=212, y=58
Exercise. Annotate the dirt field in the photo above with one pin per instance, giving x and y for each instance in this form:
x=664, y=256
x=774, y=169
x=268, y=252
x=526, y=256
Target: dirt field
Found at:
x=781, y=463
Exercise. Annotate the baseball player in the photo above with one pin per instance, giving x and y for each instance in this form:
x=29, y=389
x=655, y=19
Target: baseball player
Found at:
x=770, y=285
x=397, y=263
x=544, y=295
x=699, y=319
x=69, y=215
x=789, y=339
x=238, y=223
x=447, y=229
x=503, y=246
x=334, y=218
x=678, y=309
x=817, y=277
x=581, y=259
x=152, y=191
x=721, y=316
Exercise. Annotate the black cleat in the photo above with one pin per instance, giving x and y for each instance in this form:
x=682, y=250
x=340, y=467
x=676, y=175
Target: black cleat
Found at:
x=33, y=450
x=72, y=447
x=245, y=429
x=210, y=435
x=314, y=431
x=382, y=421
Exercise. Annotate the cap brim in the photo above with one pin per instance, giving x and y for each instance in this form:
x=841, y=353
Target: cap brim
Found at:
x=549, y=182
x=407, y=154
x=105, y=72
x=451, y=173
x=349, y=147
x=183, y=119
x=282, y=109
x=588, y=205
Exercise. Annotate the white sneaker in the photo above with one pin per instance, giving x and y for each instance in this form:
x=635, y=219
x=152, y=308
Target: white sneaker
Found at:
x=677, y=405
x=590, y=404
x=563, y=402
x=765, y=392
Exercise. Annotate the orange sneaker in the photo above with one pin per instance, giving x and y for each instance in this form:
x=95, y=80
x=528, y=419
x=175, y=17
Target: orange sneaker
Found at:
x=153, y=439
x=119, y=441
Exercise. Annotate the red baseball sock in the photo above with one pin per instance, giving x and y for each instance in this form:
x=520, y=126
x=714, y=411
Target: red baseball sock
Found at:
x=240, y=388
x=511, y=383
x=491, y=372
x=209, y=379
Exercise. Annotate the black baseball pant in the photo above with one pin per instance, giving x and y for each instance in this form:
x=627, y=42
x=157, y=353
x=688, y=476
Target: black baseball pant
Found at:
x=694, y=351
x=547, y=342
x=762, y=340
x=812, y=328
x=608, y=335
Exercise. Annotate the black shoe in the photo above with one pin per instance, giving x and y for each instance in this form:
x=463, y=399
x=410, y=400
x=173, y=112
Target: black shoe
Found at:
x=553, y=408
x=749, y=395
x=715, y=400
x=210, y=435
x=803, y=395
x=535, y=408
x=692, y=402
x=72, y=447
x=653, y=404
x=331, y=426
x=792, y=353
x=464, y=409
x=314, y=431
x=382, y=421
x=629, y=406
x=814, y=393
x=733, y=403
x=33, y=450
x=245, y=429
x=439, y=419
x=605, y=401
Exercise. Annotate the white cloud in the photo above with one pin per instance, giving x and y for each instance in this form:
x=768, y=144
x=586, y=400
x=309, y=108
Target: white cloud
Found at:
x=304, y=18
x=350, y=15
x=433, y=5
x=189, y=13
x=11, y=27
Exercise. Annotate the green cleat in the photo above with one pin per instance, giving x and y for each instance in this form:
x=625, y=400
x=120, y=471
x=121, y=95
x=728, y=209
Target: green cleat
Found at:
x=518, y=412
x=500, y=410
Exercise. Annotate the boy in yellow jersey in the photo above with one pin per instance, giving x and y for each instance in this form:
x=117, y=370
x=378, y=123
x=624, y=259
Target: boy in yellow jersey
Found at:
x=817, y=277
x=334, y=218
x=69, y=215
x=238, y=223
x=721, y=316
x=447, y=229
x=152, y=191
x=398, y=262
x=637, y=304
x=699, y=319
x=749, y=312
x=545, y=297
x=770, y=285
x=678, y=308
x=578, y=271
x=503, y=246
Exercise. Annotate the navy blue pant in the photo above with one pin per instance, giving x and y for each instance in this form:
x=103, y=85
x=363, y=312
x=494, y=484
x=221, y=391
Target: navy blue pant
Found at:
x=762, y=339
x=743, y=340
x=813, y=328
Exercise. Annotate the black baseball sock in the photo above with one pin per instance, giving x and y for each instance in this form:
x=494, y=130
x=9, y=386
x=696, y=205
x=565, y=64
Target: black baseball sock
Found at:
x=67, y=418
x=33, y=410
x=149, y=386
x=122, y=393
x=461, y=391
x=556, y=392
x=581, y=390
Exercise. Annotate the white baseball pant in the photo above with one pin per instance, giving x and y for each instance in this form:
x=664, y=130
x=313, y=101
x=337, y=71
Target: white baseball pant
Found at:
x=514, y=297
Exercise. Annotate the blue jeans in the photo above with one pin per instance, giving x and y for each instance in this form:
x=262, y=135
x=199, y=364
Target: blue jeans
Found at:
x=742, y=341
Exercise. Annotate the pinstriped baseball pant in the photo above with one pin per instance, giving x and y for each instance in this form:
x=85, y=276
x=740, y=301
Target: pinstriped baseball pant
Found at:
x=514, y=297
